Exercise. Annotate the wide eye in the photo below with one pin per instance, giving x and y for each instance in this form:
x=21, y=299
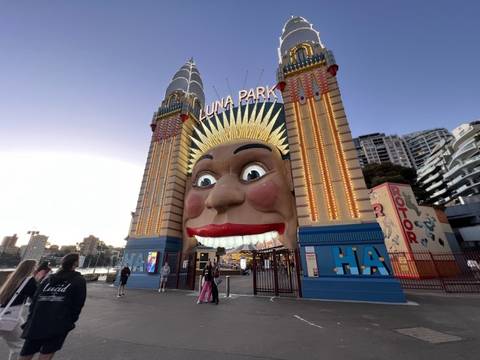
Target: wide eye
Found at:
x=252, y=172
x=205, y=180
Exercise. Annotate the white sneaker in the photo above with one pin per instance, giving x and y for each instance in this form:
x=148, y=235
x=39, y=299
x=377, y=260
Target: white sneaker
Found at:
x=159, y=290
x=163, y=290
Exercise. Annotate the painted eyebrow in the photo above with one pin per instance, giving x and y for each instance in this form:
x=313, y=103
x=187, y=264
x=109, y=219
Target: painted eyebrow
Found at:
x=206, y=156
x=251, y=146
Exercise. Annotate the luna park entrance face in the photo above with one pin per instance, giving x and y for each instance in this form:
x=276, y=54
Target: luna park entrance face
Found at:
x=274, y=272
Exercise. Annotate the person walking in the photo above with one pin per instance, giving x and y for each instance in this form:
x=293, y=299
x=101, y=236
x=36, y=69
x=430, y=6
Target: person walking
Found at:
x=216, y=281
x=164, y=272
x=20, y=286
x=205, y=295
x=124, y=274
x=42, y=272
x=54, y=311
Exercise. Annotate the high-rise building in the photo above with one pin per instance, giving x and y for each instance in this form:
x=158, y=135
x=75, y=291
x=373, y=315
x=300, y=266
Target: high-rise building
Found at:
x=89, y=245
x=420, y=144
x=9, y=244
x=452, y=172
x=379, y=148
x=36, y=247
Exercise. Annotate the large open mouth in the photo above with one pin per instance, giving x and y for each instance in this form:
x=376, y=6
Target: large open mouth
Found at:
x=233, y=235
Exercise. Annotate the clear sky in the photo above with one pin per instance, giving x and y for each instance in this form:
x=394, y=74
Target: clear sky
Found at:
x=81, y=79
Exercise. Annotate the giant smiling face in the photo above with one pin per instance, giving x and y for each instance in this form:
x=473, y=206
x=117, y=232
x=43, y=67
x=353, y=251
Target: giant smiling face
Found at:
x=240, y=193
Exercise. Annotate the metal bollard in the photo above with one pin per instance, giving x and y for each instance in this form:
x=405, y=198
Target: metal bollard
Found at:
x=227, y=286
x=200, y=283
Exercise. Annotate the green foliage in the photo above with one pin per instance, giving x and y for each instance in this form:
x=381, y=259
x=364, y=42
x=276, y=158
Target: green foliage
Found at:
x=376, y=174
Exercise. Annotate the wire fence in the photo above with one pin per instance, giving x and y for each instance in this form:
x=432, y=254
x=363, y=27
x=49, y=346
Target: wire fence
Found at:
x=449, y=272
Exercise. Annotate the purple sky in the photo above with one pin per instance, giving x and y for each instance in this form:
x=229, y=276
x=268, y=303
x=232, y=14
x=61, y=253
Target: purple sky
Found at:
x=86, y=76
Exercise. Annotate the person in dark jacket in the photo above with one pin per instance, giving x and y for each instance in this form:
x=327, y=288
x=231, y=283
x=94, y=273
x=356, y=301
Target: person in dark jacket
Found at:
x=124, y=274
x=54, y=311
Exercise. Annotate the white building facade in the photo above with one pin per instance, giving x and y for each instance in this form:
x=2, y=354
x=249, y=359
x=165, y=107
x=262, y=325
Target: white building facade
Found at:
x=421, y=144
x=452, y=172
x=379, y=148
x=36, y=247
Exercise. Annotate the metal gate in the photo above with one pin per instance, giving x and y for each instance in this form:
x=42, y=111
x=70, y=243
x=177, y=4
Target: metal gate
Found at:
x=276, y=272
x=186, y=271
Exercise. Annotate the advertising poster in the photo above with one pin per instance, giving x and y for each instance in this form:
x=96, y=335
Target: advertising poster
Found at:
x=152, y=262
x=311, y=257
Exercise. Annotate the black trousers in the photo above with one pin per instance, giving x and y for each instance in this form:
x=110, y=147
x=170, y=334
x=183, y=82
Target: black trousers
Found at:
x=214, y=292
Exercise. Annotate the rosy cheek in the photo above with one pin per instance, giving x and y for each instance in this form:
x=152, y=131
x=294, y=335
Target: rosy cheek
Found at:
x=194, y=205
x=263, y=195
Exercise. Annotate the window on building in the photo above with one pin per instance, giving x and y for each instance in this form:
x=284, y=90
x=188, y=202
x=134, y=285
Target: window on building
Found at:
x=301, y=54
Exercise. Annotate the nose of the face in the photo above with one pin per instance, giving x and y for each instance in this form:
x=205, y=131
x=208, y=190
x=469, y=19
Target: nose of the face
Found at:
x=225, y=194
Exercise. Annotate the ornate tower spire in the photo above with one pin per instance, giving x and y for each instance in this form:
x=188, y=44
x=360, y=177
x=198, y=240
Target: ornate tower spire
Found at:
x=336, y=191
x=335, y=217
x=160, y=199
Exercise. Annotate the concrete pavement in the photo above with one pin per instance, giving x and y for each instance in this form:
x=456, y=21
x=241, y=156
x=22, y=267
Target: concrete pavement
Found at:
x=148, y=325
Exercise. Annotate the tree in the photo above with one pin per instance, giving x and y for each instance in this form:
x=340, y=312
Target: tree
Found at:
x=220, y=252
x=376, y=174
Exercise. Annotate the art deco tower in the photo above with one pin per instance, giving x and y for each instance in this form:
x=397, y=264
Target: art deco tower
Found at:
x=158, y=215
x=329, y=184
x=341, y=244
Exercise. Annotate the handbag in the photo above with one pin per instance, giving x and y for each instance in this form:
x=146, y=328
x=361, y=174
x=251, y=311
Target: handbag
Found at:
x=12, y=315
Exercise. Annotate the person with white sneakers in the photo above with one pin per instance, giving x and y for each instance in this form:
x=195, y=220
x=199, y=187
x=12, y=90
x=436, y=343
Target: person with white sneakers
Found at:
x=164, y=272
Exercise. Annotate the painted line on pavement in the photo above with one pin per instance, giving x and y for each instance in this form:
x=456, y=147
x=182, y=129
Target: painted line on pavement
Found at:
x=308, y=322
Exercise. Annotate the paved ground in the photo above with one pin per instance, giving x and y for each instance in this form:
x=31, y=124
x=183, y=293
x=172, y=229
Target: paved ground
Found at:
x=147, y=325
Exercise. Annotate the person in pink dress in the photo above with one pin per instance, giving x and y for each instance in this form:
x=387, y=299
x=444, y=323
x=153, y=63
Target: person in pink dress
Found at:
x=206, y=291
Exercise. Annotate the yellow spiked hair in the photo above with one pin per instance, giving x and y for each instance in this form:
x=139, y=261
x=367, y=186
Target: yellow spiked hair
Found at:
x=251, y=125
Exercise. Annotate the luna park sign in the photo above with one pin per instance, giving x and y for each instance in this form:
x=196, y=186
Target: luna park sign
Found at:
x=264, y=93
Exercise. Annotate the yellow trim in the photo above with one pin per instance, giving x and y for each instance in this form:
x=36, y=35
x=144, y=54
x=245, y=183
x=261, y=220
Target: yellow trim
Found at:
x=293, y=51
x=143, y=214
x=320, y=146
x=164, y=189
x=347, y=183
x=154, y=174
x=155, y=208
x=306, y=164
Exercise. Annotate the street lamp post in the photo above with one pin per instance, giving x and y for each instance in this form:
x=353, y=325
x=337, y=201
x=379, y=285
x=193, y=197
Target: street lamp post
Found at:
x=32, y=234
x=98, y=256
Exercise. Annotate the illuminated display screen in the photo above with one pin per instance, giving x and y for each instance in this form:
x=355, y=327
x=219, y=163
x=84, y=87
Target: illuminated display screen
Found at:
x=152, y=262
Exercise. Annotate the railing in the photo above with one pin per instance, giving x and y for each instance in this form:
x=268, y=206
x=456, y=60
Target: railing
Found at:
x=434, y=185
x=433, y=177
x=449, y=272
x=463, y=164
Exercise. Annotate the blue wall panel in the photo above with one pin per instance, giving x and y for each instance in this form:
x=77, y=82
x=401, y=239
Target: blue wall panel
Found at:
x=352, y=263
x=136, y=253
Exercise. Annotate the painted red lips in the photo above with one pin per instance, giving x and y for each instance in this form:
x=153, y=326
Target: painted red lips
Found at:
x=228, y=229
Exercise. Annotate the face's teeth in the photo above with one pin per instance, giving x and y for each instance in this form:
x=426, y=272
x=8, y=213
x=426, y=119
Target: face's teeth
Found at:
x=230, y=242
x=234, y=240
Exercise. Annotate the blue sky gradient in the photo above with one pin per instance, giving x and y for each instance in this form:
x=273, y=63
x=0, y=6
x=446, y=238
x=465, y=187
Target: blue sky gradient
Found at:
x=86, y=76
